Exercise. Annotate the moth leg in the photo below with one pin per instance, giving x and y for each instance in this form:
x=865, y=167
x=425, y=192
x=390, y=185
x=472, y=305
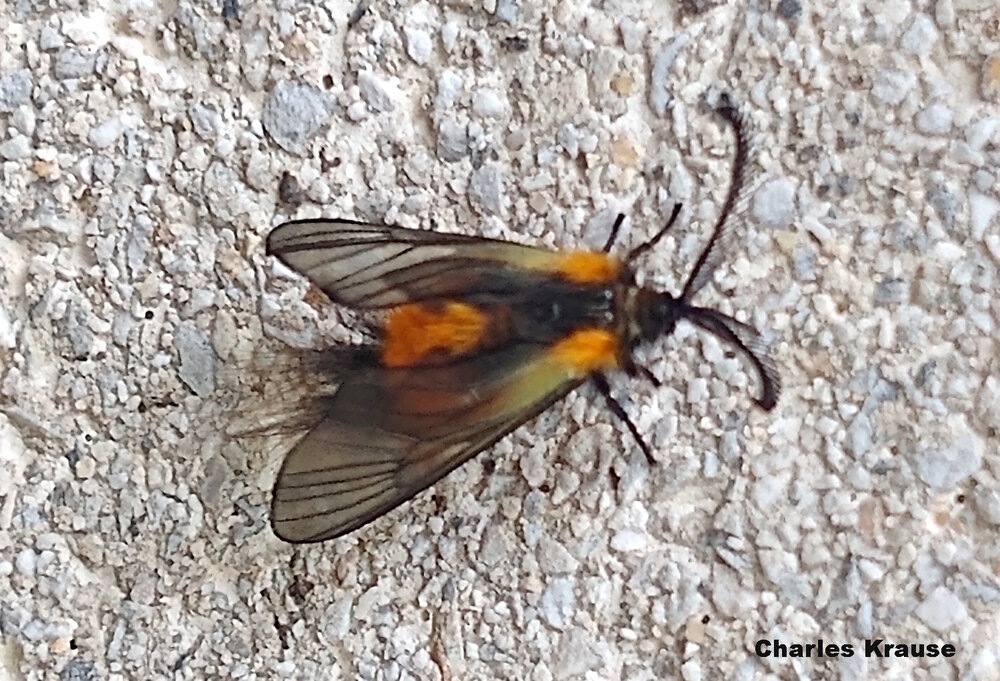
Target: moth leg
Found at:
x=643, y=247
x=633, y=370
x=604, y=388
x=615, y=229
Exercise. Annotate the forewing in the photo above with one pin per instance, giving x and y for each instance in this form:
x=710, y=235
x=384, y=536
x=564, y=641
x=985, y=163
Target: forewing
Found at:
x=369, y=266
x=387, y=434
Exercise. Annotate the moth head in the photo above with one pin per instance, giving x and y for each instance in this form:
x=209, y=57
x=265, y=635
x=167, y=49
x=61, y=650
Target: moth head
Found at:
x=658, y=313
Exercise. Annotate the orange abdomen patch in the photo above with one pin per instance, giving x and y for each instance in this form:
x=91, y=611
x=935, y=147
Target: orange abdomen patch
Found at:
x=416, y=330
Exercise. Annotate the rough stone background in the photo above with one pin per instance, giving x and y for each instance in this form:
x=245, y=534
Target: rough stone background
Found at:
x=146, y=149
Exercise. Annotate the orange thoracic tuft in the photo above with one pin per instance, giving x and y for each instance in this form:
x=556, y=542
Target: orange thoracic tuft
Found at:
x=587, y=267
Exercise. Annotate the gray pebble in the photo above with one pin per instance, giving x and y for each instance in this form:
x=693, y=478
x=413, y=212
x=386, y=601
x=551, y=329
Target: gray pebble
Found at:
x=906, y=236
x=206, y=120
x=121, y=327
x=74, y=325
x=103, y=169
x=860, y=435
x=495, y=546
x=789, y=9
x=49, y=39
x=507, y=11
x=948, y=466
x=78, y=670
x=137, y=244
x=486, y=188
x=15, y=89
x=293, y=113
x=225, y=193
x=660, y=95
x=215, y=475
x=890, y=291
x=377, y=92
x=804, y=263
x=554, y=558
x=73, y=63
x=453, y=141
x=987, y=504
x=24, y=120
x=197, y=368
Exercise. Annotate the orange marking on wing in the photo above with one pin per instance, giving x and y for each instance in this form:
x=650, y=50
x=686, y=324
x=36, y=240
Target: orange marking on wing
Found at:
x=587, y=267
x=415, y=330
x=587, y=350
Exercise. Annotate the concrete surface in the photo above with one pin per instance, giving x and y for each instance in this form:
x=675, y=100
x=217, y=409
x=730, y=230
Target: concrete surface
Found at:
x=143, y=153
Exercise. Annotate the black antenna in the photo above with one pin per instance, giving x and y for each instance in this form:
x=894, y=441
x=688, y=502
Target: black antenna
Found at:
x=741, y=336
x=736, y=199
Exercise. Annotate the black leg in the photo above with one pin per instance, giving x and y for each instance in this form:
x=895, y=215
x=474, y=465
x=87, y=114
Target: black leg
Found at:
x=615, y=228
x=633, y=370
x=605, y=389
x=642, y=248
x=649, y=375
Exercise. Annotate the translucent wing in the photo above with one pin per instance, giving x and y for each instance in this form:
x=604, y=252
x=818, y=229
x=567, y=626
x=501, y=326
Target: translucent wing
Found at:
x=387, y=434
x=375, y=266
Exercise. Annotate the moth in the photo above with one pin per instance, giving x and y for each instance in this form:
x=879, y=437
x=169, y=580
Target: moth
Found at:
x=476, y=336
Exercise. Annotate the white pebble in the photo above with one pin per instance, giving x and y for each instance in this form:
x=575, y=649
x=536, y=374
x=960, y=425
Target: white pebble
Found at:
x=691, y=671
x=449, y=84
x=660, y=94
x=947, y=466
x=978, y=134
x=774, y=203
x=487, y=103
x=418, y=44
x=26, y=562
x=633, y=32
x=106, y=133
x=628, y=541
x=357, y=111
x=934, y=120
x=982, y=210
x=920, y=37
x=697, y=390
x=942, y=610
x=17, y=147
x=891, y=86
x=449, y=35
x=558, y=602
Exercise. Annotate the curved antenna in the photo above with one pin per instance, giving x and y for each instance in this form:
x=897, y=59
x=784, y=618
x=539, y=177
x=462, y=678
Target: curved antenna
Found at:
x=736, y=199
x=746, y=339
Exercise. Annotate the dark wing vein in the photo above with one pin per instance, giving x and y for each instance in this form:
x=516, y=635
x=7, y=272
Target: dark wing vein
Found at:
x=382, y=440
x=374, y=266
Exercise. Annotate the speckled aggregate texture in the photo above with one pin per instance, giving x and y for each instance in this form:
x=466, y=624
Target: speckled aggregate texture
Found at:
x=147, y=148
